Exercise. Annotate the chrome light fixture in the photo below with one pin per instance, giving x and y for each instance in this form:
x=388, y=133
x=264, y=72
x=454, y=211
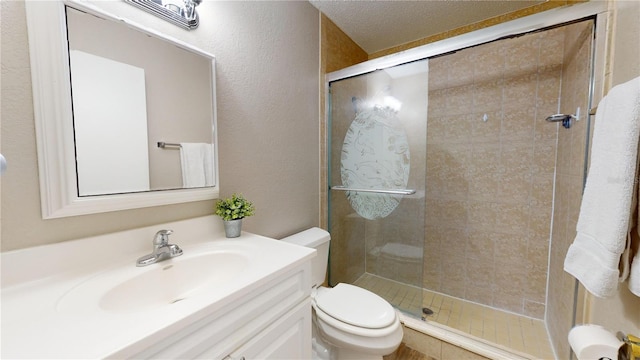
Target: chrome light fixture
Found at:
x=180, y=12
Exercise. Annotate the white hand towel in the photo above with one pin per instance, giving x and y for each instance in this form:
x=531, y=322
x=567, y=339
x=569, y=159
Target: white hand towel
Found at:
x=197, y=164
x=603, y=224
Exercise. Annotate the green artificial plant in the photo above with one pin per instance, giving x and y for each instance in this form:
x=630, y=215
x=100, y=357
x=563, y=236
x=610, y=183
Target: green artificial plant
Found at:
x=234, y=208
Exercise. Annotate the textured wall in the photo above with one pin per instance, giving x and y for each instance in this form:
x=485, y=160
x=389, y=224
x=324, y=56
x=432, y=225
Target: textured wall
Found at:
x=267, y=82
x=338, y=50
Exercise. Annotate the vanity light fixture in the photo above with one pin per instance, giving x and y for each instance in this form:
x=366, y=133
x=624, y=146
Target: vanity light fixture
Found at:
x=180, y=12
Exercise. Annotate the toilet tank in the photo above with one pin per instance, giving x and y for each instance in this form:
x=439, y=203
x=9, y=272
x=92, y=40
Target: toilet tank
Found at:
x=318, y=239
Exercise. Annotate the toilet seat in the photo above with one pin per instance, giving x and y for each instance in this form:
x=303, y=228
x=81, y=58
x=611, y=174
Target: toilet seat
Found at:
x=355, y=306
x=342, y=327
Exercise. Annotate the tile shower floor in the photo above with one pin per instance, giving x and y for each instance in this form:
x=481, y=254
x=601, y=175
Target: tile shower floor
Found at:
x=520, y=333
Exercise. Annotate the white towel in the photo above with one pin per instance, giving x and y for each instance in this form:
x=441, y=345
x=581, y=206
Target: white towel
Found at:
x=197, y=164
x=603, y=224
x=631, y=263
x=634, y=275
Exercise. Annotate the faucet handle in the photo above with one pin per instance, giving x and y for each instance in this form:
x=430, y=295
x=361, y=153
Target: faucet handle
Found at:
x=162, y=237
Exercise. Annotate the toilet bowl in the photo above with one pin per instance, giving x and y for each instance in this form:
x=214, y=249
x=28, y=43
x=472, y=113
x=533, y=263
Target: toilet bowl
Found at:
x=348, y=322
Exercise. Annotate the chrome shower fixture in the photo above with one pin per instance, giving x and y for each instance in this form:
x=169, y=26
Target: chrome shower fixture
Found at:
x=566, y=119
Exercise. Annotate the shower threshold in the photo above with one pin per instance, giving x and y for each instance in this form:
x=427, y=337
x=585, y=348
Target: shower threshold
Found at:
x=506, y=330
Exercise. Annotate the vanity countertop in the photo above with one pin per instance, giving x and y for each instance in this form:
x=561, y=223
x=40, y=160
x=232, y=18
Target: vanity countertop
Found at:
x=50, y=309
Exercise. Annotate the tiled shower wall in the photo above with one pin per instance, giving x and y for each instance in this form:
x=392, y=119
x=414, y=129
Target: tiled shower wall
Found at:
x=569, y=180
x=490, y=171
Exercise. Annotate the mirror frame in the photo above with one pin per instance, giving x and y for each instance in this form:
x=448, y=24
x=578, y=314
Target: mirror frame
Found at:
x=50, y=75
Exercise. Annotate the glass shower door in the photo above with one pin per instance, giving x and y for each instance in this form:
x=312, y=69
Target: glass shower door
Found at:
x=377, y=147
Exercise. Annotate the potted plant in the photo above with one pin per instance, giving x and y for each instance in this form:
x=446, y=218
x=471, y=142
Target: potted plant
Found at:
x=232, y=211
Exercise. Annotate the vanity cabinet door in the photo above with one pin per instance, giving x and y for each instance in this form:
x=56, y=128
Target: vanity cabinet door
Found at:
x=287, y=338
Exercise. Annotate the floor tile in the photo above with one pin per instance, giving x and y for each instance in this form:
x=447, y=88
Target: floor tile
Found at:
x=514, y=331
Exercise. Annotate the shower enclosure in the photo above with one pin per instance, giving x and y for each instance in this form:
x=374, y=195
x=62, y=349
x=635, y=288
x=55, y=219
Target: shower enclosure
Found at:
x=442, y=177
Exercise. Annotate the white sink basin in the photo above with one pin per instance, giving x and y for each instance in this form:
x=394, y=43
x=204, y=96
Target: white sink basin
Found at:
x=134, y=289
x=87, y=299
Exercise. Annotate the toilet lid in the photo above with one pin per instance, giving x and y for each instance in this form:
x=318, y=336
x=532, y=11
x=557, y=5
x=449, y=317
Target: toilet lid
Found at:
x=356, y=306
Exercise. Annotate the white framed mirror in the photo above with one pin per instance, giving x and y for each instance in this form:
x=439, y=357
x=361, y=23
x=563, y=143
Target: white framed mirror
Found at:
x=104, y=105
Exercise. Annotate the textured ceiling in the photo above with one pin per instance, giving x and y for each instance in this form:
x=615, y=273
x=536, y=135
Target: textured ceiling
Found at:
x=379, y=25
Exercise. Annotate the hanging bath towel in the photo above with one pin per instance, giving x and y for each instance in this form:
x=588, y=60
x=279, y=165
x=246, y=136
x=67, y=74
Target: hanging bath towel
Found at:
x=197, y=164
x=603, y=224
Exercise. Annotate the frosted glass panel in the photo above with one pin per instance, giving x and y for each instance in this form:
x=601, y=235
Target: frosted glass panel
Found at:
x=378, y=142
x=375, y=155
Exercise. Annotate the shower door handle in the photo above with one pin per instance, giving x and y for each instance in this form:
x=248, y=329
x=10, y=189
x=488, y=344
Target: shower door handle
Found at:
x=379, y=191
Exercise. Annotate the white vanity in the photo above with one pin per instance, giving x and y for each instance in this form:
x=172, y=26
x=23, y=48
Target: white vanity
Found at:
x=246, y=297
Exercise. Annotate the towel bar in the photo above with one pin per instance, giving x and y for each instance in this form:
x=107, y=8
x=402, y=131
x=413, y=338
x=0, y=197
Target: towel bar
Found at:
x=163, y=145
x=379, y=191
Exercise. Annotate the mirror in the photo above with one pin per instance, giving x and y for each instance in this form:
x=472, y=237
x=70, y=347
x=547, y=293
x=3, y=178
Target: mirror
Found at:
x=103, y=106
x=127, y=96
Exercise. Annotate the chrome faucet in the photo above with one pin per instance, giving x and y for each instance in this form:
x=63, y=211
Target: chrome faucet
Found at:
x=162, y=250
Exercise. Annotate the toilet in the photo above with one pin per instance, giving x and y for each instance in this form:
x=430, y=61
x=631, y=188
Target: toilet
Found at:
x=348, y=322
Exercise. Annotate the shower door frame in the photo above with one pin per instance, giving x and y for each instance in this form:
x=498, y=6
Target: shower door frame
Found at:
x=523, y=25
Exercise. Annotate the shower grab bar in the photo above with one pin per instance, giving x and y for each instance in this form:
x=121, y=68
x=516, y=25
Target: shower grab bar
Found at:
x=379, y=191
